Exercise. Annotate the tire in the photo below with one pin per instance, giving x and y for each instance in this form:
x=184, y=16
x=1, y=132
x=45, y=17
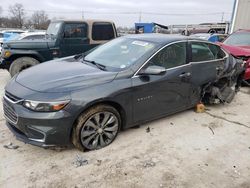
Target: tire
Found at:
x=22, y=63
x=212, y=31
x=96, y=128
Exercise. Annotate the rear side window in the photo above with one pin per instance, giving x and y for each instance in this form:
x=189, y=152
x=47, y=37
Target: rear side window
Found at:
x=222, y=38
x=201, y=52
x=102, y=31
x=217, y=51
x=171, y=56
x=75, y=30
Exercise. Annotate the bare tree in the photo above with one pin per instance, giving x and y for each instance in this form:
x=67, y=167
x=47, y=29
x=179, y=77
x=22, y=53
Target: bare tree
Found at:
x=18, y=14
x=40, y=20
x=1, y=10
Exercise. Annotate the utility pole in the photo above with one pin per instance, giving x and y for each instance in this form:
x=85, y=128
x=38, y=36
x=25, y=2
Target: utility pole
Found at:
x=139, y=17
x=82, y=14
x=222, y=17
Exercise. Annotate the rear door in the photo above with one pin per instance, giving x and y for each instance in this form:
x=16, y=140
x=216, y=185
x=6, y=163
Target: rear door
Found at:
x=207, y=62
x=74, y=39
x=157, y=95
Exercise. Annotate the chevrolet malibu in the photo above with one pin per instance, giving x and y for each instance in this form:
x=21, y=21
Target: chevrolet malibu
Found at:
x=87, y=99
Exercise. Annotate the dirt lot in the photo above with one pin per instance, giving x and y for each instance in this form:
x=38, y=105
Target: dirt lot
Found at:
x=211, y=149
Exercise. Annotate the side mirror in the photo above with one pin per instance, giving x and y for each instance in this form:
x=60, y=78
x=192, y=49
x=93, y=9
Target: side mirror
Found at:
x=154, y=70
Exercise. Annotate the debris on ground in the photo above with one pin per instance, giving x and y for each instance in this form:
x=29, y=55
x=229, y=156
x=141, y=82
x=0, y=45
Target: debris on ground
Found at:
x=11, y=146
x=98, y=162
x=148, y=129
x=171, y=123
x=200, y=108
x=80, y=161
x=149, y=163
x=211, y=130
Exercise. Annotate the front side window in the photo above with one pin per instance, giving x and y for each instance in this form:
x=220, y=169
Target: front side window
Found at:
x=53, y=28
x=102, y=31
x=120, y=53
x=171, y=56
x=75, y=30
x=238, y=39
x=201, y=52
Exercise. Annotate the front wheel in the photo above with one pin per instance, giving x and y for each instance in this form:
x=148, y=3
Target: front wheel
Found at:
x=96, y=128
x=22, y=63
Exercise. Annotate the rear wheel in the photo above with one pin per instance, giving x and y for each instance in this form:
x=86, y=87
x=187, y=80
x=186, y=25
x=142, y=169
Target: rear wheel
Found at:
x=22, y=63
x=96, y=128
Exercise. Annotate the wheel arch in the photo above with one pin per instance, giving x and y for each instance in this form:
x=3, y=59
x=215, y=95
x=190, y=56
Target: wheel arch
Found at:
x=16, y=56
x=114, y=104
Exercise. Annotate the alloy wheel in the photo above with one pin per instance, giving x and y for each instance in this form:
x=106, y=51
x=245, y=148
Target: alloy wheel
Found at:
x=99, y=130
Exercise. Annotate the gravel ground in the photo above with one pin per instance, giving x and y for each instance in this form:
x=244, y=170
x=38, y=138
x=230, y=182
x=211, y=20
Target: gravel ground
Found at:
x=187, y=149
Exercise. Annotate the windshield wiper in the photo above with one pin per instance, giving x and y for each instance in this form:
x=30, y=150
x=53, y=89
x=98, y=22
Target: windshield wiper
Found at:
x=100, y=66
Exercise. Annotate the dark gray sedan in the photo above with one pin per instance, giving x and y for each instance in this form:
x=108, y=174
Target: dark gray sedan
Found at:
x=87, y=99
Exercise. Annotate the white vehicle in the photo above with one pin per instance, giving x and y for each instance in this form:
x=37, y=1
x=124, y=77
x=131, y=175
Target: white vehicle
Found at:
x=8, y=31
x=30, y=36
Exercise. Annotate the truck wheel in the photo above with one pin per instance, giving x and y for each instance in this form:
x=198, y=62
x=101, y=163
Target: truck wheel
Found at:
x=22, y=63
x=96, y=128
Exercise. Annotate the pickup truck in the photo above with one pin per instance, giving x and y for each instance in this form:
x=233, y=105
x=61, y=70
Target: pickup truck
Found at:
x=63, y=38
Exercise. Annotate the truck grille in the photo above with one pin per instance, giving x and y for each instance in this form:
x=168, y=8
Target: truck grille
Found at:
x=9, y=113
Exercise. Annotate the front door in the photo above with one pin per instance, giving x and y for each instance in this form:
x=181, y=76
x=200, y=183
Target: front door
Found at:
x=157, y=95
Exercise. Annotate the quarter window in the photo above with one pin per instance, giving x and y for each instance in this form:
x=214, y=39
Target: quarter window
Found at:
x=102, y=31
x=171, y=56
x=217, y=51
x=75, y=31
x=201, y=52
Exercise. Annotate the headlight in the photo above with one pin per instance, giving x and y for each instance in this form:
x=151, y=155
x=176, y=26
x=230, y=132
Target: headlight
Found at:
x=7, y=54
x=45, y=106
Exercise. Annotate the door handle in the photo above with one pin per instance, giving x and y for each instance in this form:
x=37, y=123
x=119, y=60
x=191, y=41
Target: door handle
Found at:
x=185, y=75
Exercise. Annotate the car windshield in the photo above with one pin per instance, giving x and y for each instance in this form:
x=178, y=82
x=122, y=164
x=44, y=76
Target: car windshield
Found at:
x=53, y=28
x=120, y=53
x=238, y=39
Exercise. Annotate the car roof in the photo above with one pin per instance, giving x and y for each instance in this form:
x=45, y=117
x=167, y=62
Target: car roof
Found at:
x=33, y=33
x=81, y=20
x=242, y=30
x=161, y=38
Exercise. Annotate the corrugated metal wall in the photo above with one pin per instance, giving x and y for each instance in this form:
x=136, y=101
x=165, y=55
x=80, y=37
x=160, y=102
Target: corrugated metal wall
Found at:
x=241, y=18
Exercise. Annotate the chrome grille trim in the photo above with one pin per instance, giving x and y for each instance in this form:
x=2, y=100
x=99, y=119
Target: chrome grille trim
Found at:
x=10, y=114
x=12, y=99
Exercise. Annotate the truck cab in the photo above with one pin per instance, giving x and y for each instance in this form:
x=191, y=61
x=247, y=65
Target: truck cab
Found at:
x=63, y=38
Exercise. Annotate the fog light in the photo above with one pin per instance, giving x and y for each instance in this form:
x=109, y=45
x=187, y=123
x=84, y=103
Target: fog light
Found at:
x=7, y=54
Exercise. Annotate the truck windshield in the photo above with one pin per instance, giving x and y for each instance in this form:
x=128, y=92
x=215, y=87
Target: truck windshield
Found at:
x=53, y=28
x=120, y=53
x=238, y=39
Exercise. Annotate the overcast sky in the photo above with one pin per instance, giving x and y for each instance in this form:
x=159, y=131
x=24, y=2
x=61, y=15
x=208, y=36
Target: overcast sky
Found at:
x=126, y=12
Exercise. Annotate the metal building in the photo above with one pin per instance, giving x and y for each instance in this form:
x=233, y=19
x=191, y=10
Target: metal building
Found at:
x=241, y=15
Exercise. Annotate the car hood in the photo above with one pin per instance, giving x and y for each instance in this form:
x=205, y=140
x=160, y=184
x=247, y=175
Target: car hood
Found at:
x=28, y=44
x=63, y=76
x=237, y=51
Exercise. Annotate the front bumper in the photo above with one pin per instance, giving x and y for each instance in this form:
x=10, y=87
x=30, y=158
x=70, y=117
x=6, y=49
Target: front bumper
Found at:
x=4, y=64
x=38, y=128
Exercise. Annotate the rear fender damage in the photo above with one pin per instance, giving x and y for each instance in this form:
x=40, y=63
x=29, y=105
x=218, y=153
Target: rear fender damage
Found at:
x=227, y=84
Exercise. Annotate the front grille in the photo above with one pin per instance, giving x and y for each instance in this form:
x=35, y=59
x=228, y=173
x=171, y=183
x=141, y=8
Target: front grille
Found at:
x=9, y=113
x=12, y=97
